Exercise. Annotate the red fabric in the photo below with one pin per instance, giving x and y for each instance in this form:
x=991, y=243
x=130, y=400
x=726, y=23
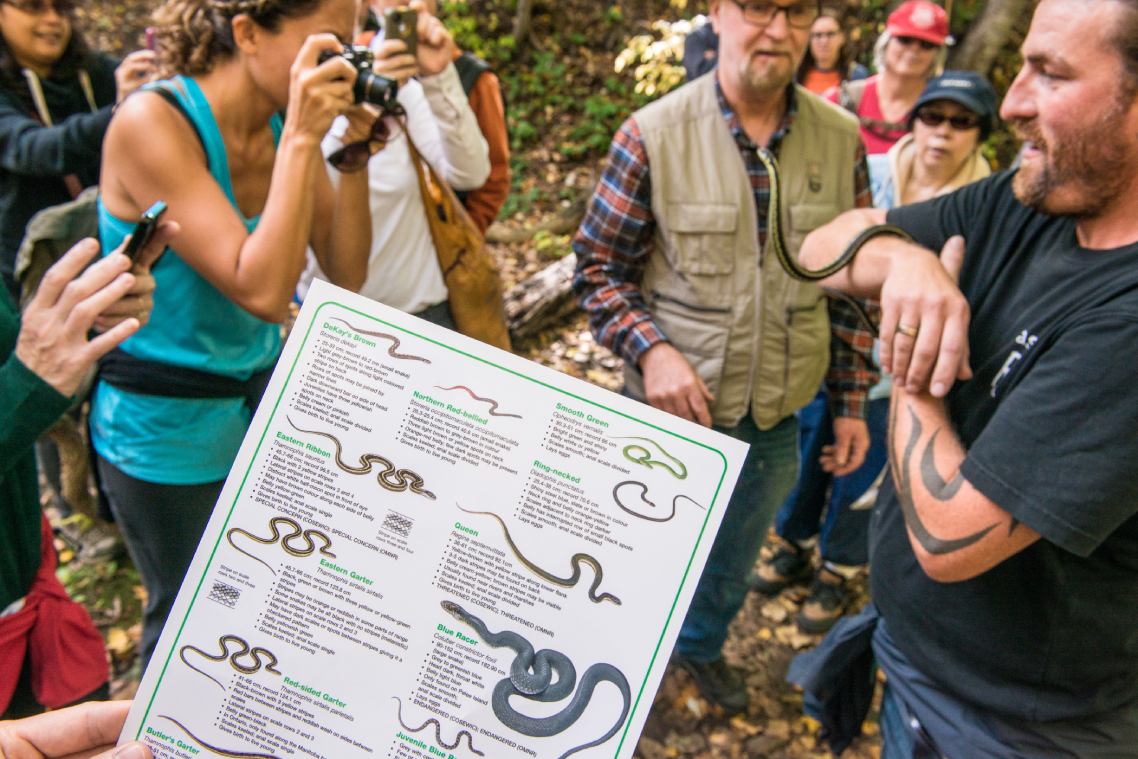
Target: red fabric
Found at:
x=68, y=660
x=875, y=139
x=922, y=19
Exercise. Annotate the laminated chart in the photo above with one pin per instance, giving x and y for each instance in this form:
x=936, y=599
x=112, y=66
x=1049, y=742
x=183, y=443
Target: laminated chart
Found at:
x=428, y=547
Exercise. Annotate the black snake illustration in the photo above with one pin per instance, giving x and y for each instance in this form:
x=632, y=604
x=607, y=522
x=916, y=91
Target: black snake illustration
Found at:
x=244, y=650
x=638, y=454
x=531, y=677
x=403, y=479
x=394, y=342
x=297, y=532
x=493, y=403
x=216, y=749
x=438, y=733
x=644, y=498
x=566, y=582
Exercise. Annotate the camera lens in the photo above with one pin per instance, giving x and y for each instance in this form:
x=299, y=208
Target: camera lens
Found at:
x=375, y=89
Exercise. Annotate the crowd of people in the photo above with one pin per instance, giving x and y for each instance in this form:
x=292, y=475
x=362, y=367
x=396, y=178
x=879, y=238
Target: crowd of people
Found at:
x=955, y=423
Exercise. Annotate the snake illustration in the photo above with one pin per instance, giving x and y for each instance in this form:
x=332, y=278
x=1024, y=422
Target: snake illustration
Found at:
x=394, y=342
x=297, y=532
x=244, y=650
x=216, y=749
x=493, y=403
x=566, y=582
x=638, y=454
x=531, y=678
x=644, y=498
x=401, y=479
x=438, y=731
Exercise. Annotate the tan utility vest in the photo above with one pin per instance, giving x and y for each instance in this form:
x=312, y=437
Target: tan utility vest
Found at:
x=757, y=337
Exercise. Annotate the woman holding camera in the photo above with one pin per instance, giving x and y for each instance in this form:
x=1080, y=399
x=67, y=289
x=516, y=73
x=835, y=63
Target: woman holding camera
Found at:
x=250, y=192
x=403, y=268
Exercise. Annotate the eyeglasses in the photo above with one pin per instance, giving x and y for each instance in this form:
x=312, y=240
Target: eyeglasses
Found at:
x=962, y=122
x=354, y=156
x=40, y=7
x=801, y=15
x=924, y=44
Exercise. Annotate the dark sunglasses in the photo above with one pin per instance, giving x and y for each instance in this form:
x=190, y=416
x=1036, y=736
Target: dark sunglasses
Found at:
x=355, y=155
x=924, y=44
x=40, y=7
x=961, y=123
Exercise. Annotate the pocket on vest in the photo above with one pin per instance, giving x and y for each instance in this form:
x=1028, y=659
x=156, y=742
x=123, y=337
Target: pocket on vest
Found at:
x=805, y=218
x=701, y=237
x=698, y=331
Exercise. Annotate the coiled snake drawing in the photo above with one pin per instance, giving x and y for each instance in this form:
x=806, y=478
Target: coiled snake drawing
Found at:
x=215, y=749
x=394, y=342
x=639, y=454
x=400, y=480
x=566, y=582
x=531, y=676
x=243, y=650
x=644, y=498
x=438, y=731
x=285, y=540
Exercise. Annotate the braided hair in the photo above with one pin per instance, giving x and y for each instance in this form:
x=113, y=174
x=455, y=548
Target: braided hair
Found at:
x=194, y=35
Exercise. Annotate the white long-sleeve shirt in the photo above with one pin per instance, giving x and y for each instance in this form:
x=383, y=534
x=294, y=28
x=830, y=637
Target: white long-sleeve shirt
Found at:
x=403, y=269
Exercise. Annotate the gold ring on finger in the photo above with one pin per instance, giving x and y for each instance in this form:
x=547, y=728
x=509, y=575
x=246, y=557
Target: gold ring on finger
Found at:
x=906, y=330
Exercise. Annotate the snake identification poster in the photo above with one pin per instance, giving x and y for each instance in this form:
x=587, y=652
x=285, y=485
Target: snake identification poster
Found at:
x=428, y=547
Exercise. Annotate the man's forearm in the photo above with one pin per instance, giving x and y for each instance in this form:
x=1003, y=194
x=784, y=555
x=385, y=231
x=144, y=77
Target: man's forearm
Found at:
x=862, y=278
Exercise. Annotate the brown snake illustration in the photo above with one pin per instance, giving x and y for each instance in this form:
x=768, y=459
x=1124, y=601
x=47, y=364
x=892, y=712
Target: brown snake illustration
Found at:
x=390, y=478
x=438, y=731
x=576, y=561
x=216, y=749
x=244, y=650
x=394, y=342
x=493, y=403
x=644, y=498
x=297, y=532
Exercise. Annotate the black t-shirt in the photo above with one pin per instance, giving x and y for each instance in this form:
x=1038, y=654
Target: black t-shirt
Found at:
x=1050, y=421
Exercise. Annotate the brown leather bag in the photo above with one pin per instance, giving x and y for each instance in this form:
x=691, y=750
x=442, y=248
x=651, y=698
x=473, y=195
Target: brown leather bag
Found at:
x=470, y=272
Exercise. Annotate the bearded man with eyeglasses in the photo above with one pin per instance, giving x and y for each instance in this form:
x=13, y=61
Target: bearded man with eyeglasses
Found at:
x=675, y=271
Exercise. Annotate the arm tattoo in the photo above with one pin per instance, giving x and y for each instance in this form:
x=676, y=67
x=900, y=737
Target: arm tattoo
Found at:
x=931, y=543
x=936, y=486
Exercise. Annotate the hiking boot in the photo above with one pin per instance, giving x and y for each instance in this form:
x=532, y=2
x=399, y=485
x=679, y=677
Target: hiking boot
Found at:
x=788, y=564
x=825, y=604
x=718, y=682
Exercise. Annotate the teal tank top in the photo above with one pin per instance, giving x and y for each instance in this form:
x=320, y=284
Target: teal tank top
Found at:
x=184, y=441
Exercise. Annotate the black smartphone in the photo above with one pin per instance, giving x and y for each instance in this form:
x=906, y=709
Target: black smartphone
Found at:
x=144, y=230
x=402, y=24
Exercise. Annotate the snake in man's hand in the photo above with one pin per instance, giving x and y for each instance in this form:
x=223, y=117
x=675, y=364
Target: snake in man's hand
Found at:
x=244, y=650
x=297, y=532
x=644, y=498
x=394, y=342
x=531, y=677
x=438, y=731
x=215, y=749
x=388, y=478
x=576, y=561
x=643, y=456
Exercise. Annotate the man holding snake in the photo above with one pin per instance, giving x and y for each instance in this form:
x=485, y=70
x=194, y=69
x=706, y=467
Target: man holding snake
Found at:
x=676, y=270
x=1004, y=553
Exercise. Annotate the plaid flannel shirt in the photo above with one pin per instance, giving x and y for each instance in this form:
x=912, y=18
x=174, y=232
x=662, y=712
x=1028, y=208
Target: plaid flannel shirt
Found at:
x=616, y=238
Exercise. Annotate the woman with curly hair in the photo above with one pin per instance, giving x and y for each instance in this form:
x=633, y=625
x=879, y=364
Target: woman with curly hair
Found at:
x=55, y=103
x=251, y=192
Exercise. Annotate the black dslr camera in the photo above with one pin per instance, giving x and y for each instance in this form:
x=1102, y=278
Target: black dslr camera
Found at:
x=370, y=87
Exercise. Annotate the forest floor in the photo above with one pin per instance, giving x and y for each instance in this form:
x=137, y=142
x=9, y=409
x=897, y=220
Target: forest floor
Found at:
x=555, y=168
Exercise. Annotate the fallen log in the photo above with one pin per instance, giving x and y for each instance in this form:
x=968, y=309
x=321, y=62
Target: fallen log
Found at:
x=543, y=300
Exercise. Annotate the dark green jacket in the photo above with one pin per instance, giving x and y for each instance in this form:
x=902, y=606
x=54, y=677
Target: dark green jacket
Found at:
x=28, y=406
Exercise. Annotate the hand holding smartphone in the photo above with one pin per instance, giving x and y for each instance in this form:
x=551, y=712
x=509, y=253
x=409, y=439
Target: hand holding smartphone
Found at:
x=144, y=230
x=402, y=24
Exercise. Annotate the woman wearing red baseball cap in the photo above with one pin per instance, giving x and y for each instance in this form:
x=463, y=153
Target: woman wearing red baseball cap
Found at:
x=908, y=53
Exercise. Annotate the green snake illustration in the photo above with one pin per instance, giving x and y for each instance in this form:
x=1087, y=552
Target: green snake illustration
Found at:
x=244, y=650
x=216, y=749
x=644, y=498
x=566, y=582
x=403, y=479
x=643, y=456
x=531, y=677
x=297, y=532
x=438, y=731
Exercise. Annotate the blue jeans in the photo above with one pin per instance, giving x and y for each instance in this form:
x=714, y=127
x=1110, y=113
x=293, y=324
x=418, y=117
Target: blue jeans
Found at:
x=808, y=512
x=768, y=474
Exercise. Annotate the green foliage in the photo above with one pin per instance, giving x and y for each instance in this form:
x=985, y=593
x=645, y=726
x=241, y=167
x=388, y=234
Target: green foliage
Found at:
x=107, y=588
x=656, y=60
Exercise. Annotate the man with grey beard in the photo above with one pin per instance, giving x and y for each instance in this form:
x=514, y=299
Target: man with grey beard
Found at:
x=1004, y=552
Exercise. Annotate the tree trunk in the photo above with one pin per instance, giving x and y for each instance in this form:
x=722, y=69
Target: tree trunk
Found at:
x=523, y=21
x=543, y=300
x=988, y=33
